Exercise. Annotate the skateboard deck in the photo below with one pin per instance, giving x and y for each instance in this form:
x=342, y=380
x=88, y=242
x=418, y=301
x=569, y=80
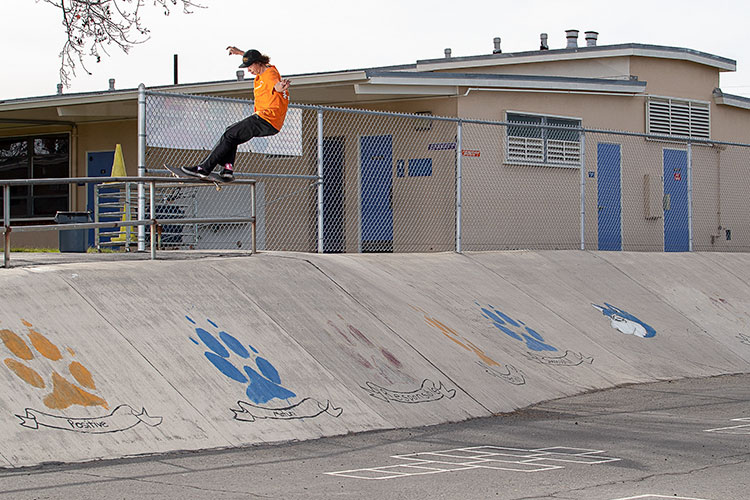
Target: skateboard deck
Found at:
x=212, y=177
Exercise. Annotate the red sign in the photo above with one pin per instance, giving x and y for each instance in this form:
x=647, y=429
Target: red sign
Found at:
x=470, y=152
x=677, y=176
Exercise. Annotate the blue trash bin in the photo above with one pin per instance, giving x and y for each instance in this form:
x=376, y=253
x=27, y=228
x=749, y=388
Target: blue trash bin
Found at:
x=73, y=240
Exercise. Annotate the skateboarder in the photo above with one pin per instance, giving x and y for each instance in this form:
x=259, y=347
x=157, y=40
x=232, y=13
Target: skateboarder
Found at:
x=271, y=96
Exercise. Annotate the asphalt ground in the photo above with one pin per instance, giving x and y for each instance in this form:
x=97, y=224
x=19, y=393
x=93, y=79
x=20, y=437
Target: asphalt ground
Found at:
x=686, y=439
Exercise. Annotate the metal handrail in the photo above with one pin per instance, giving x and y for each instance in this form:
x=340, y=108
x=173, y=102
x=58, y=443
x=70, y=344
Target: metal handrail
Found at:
x=7, y=228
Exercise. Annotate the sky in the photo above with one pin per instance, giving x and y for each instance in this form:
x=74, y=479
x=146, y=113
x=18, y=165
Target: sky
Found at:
x=311, y=36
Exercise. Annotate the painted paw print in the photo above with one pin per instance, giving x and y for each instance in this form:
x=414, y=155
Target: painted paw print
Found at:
x=64, y=393
x=457, y=338
x=516, y=329
x=263, y=380
x=625, y=322
x=362, y=350
x=509, y=373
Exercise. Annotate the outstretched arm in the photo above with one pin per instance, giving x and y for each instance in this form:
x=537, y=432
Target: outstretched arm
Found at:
x=282, y=86
x=234, y=51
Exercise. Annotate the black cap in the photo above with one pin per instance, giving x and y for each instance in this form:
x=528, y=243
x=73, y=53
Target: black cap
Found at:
x=250, y=57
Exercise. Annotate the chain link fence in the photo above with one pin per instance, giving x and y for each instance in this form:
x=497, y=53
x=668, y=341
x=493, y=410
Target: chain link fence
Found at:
x=345, y=180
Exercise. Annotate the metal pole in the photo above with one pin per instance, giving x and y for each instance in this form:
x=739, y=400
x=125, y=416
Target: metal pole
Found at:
x=153, y=219
x=690, y=194
x=141, y=165
x=128, y=217
x=459, y=148
x=582, y=137
x=253, y=246
x=320, y=181
x=6, y=223
x=97, y=235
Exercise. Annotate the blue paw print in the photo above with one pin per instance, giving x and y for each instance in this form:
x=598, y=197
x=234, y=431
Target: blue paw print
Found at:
x=263, y=384
x=516, y=329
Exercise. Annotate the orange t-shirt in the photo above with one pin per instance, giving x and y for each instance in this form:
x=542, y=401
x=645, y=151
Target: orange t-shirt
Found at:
x=269, y=104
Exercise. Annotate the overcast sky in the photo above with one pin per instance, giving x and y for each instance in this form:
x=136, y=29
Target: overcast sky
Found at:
x=308, y=36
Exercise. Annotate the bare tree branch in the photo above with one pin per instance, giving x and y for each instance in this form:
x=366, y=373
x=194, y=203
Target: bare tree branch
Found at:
x=93, y=26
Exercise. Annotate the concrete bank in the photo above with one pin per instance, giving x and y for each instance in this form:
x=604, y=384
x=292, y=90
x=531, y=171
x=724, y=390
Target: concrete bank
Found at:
x=107, y=359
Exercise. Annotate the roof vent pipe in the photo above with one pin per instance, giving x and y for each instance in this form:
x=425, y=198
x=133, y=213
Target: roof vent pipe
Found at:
x=240, y=75
x=447, y=53
x=591, y=37
x=59, y=88
x=111, y=84
x=543, y=42
x=497, y=49
x=572, y=36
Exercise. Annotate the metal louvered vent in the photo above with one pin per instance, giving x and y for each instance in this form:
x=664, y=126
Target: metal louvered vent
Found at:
x=531, y=142
x=678, y=118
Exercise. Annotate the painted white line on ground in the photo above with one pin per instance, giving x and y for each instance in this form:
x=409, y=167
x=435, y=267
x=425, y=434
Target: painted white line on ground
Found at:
x=479, y=457
x=652, y=496
x=734, y=429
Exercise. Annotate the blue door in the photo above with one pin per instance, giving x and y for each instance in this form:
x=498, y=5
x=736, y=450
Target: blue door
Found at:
x=376, y=191
x=99, y=164
x=608, y=162
x=676, y=231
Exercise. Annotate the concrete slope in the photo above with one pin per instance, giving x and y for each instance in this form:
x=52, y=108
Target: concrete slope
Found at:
x=114, y=359
x=710, y=290
x=74, y=388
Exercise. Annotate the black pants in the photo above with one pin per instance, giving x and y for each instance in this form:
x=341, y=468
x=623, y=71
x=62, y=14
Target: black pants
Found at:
x=226, y=149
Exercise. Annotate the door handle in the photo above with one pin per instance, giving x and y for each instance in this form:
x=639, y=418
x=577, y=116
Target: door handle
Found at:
x=667, y=201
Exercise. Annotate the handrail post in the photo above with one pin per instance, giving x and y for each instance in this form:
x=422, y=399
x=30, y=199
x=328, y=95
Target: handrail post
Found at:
x=153, y=219
x=97, y=234
x=128, y=217
x=141, y=164
x=6, y=223
x=253, y=246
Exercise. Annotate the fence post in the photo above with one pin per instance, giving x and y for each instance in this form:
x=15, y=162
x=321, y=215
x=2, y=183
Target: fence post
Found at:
x=320, y=180
x=459, y=149
x=582, y=137
x=152, y=186
x=141, y=165
x=690, y=194
x=6, y=222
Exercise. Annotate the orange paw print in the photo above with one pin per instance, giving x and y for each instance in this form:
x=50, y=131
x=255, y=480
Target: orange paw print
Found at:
x=457, y=338
x=64, y=393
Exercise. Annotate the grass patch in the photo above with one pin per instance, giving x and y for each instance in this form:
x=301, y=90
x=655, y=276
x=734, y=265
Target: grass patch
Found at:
x=55, y=250
x=35, y=250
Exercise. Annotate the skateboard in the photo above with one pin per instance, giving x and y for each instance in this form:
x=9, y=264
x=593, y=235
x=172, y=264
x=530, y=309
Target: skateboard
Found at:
x=212, y=177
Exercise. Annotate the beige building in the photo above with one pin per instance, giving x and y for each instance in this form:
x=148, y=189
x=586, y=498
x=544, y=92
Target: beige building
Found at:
x=536, y=177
